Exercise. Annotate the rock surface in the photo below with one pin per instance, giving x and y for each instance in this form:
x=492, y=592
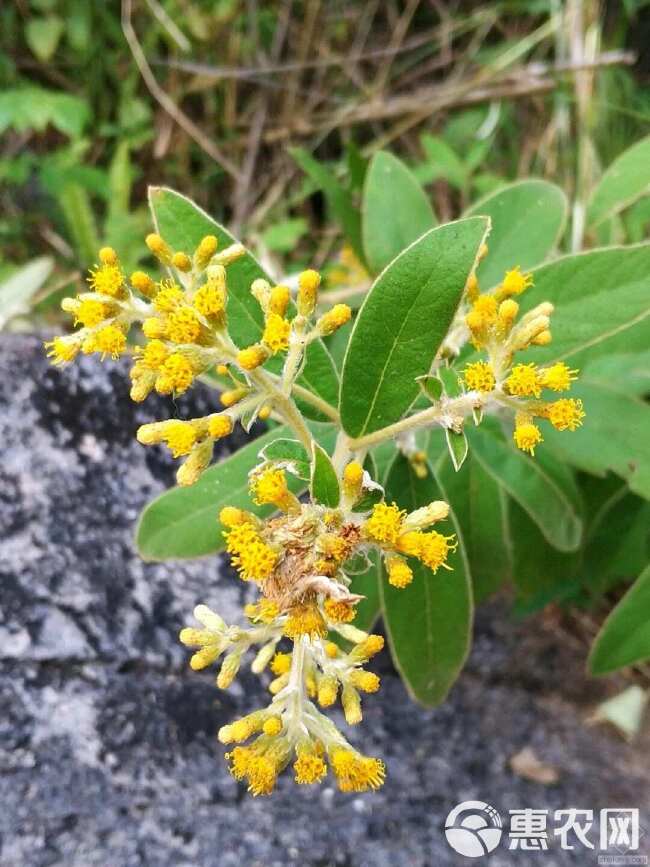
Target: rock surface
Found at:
x=108, y=753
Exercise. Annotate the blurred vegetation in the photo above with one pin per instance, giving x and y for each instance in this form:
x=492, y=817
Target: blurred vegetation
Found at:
x=228, y=101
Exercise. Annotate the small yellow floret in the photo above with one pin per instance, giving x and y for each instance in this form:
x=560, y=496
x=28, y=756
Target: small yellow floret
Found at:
x=272, y=726
x=367, y=681
x=180, y=436
x=308, y=283
x=434, y=549
x=281, y=664
x=176, y=375
x=183, y=326
x=154, y=354
x=339, y=611
x=169, y=297
x=305, y=620
x=276, y=333
x=206, y=250
x=252, y=357
x=566, y=414
x=230, y=398
x=356, y=773
x=384, y=523
x=353, y=475
x=256, y=561
x=108, y=256
x=159, y=248
x=479, y=376
x=558, y=377
x=334, y=319
x=110, y=340
x=400, y=573
x=515, y=282
x=309, y=767
x=182, y=261
x=219, y=426
x=524, y=381
x=153, y=328
x=527, y=436
x=210, y=299
x=62, y=350
x=143, y=283
x=279, y=300
x=270, y=488
x=107, y=280
x=91, y=312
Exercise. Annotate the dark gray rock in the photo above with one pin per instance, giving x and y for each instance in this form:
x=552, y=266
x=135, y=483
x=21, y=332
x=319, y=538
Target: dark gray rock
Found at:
x=108, y=752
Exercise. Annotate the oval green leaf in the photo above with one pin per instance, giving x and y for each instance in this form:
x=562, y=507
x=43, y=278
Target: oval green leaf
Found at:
x=543, y=487
x=324, y=485
x=602, y=303
x=429, y=622
x=626, y=180
x=624, y=638
x=395, y=210
x=528, y=219
x=182, y=224
x=402, y=323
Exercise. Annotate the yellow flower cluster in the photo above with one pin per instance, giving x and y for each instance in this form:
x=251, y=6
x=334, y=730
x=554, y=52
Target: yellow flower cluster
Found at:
x=183, y=319
x=298, y=560
x=494, y=327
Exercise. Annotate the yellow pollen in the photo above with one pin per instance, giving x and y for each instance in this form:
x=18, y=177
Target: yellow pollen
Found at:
x=62, y=350
x=400, y=573
x=210, y=299
x=182, y=261
x=527, y=436
x=256, y=561
x=279, y=300
x=220, y=426
x=270, y=488
x=479, y=376
x=558, y=377
x=110, y=340
x=276, y=333
x=180, y=436
x=169, y=297
x=434, y=548
x=107, y=280
x=524, y=381
x=183, y=326
x=305, y=620
x=176, y=375
x=281, y=664
x=515, y=282
x=252, y=357
x=154, y=354
x=338, y=611
x=566, y=414
x=309, y=768
x=206, y=250
x=91, y=312
x=143, y=283
x=384, y=523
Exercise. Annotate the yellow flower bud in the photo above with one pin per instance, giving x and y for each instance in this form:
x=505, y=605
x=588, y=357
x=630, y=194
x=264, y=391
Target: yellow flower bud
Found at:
x=252, y=357
x=182, y=261
x=143, y=283
x=308, y=283
x=159, y=248
x=108, y=256
x=206, y=250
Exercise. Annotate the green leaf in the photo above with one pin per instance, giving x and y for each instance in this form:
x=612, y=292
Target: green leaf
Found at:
x=528, y=219
x=182, y=523
x=624, y=638
x=457, y=446
x=626, y=180
x=18, y=289
x=119, y=182
x=324, y=484
x=602, y=303
x=183, y=224
x=543, y=487
x=290, y=453
x=43, y=35
x=366, y=584
x=338, y=198
x=27, y=108
x=441, y=162
x=402, y=323
x=628, y=372
x=79, y=217
x=283, y=236
x=430, y=386
x=614, y=436
x=480, y=506
x=429, y=622
x=395, y=210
